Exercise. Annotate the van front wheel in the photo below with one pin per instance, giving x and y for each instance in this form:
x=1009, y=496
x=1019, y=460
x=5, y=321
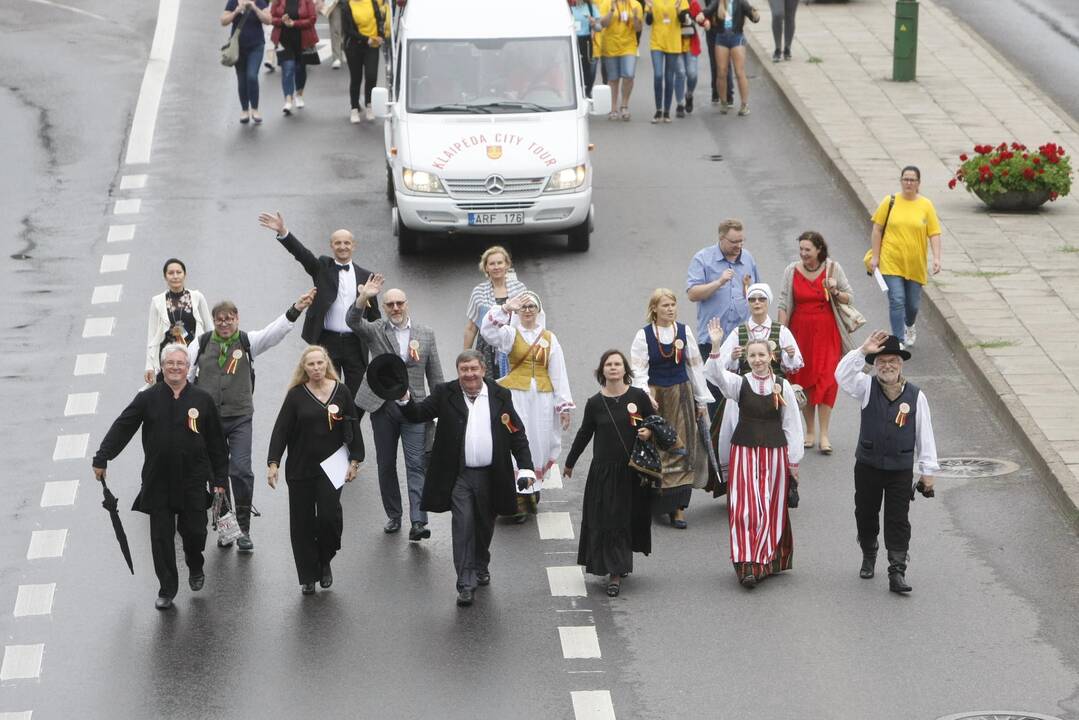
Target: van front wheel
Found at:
x=408, y=241
x=580, y=236
x=389, y=185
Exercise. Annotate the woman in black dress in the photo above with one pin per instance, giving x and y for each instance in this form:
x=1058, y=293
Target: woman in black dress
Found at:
x=616, y=520
x=316, y=420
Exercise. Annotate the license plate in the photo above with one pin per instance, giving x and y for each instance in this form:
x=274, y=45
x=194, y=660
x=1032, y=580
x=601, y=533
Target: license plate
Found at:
x=496, y=218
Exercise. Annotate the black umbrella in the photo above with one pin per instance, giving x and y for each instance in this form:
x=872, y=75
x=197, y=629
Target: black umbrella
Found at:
x=715, y=475
x=109, y=503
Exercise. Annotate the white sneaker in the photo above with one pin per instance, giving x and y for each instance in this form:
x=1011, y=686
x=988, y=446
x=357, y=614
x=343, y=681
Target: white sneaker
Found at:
x=354, y=116
x=299, y=101
x=288, y=107
x=370, y=113
x=336, y=65
x=909, y=336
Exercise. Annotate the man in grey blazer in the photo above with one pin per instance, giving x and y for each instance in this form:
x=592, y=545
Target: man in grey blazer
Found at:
x=415, y=344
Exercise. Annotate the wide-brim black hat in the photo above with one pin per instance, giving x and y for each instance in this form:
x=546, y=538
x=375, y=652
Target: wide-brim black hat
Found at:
x=891, y=347
x=387, y=376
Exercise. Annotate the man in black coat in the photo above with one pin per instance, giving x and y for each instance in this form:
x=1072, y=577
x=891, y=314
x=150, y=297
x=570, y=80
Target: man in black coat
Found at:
x=471, y=474
x=336, y=279
x=184, y=452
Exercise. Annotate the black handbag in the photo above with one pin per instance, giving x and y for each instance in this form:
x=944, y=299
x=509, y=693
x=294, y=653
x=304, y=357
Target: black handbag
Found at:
x=310, y=57
x=792, y=492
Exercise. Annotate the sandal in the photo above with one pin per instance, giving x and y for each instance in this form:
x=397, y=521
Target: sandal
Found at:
x=613, y=588
x=809, y=442
x=625, y=112
x=825, y=449
x=612, y=115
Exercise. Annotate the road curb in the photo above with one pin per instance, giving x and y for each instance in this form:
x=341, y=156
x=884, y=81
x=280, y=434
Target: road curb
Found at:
x=972, y=360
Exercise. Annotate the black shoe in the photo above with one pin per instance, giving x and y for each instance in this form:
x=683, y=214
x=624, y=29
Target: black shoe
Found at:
x=327, y=576
x=244, y=544
x=787, y=54
x=483, y=578
x=657, y=117
x=195, y=582
x=776, y=56
x=464, y=598
x=392, y=526
x=869, y=560
x=689, y=103
x=897, y=567
x=307, y=588
x=520, y=518
x=418, y=532
x=680, y=111
x=163, y=603
x=715, y=97
x=749, y=581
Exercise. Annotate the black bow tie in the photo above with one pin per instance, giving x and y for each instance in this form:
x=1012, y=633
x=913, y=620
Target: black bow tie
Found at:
x=344, y=268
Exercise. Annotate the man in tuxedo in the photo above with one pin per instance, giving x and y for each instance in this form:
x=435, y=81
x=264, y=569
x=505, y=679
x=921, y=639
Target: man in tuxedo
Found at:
x=478, y=436
x=335, y=281
x=415, y=344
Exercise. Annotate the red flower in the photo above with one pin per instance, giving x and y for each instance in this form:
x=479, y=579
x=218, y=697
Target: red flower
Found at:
x=1060, y=152
x=1053, y=195
x=995, y=161
x=1028, y=173
x=1036, y=160
x=1041, y=171
x=1026, y=156
x=1002, y=146
x=963, y=157
x=1004, y=173
x=951, y=184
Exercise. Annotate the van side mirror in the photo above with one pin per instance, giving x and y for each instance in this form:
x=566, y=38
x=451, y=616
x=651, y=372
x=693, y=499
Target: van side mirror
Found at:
x=380, y=102
x=601, y=100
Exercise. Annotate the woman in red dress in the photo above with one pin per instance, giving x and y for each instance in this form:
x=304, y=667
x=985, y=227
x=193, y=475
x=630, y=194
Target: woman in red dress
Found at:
x=811, y=287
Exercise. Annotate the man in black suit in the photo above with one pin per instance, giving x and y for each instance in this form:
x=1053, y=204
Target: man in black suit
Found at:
x=336, y=279
x=471, y=474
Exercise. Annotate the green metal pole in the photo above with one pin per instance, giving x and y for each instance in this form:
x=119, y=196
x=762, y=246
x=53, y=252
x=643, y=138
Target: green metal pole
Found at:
x=905, y=50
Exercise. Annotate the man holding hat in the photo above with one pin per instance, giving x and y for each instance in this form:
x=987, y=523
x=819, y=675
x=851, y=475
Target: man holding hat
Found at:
x=896, y=434
x=396, y=336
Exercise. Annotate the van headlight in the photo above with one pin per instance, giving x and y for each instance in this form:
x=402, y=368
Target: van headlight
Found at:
x=421, y=181
x=567, y=179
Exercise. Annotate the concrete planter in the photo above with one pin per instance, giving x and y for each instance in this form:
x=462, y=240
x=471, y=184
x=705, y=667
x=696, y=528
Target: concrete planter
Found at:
x=1014, y=200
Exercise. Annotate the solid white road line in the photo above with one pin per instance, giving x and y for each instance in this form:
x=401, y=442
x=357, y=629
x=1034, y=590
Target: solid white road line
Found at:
x=34, y=600
x=567, y=581
x=46, y=544
x=120, y=233
x=98, y=327
x=70, y=447
x=21, y=662
x=553, y=479
x=592, y=705
x=129, y=206
x=59, y=493
x=26, y=715
x=106, y=294
x=554, y=526
x=141, y=139
x=133, y=182
x=90, y=364
x=579, y=641
x=81, y=404
x=114, y=263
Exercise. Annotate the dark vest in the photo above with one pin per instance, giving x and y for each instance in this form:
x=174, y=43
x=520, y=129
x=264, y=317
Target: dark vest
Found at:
x=760, y=422
x=231, y=391
x=664, y=371
x=881, y=442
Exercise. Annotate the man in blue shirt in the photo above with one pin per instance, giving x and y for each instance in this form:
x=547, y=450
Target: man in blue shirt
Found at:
x=717, y=280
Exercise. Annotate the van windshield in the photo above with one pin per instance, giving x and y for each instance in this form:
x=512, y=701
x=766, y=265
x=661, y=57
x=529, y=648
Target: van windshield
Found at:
x=505, y=75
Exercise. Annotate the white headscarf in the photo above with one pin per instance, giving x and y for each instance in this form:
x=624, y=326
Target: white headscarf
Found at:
x=760, y=289
x=541, y=317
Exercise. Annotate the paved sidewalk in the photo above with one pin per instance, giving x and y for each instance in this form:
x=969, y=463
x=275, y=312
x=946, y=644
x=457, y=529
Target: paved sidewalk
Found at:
x=1010, y=284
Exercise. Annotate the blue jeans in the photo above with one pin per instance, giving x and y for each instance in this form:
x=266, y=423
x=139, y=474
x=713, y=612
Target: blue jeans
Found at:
x=904, y=297
x=247, y=77
x=621, y=66
x=690, y=61
x=669, y=76
x=388, y=424
x=237, y=431
x=293, y=76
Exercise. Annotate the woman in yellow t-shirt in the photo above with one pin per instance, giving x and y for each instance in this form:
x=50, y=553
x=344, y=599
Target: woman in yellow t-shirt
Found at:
x=366, y=27
x=621, y=21
x=668, y=65
x=905, y=225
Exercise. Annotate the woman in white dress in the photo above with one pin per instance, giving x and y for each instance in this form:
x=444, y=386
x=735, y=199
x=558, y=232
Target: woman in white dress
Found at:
x=178, y=315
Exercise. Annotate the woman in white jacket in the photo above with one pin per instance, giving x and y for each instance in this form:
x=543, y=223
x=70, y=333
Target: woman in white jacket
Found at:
x=177, y=315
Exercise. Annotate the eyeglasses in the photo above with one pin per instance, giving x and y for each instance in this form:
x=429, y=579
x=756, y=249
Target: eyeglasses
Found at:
x=396, y=303
x=224, y=320
x=911, y=180
x=175, y=364
x=758, y=298
x=530, y=308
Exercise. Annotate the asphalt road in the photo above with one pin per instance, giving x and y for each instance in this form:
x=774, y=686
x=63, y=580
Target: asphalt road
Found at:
x=990, y=623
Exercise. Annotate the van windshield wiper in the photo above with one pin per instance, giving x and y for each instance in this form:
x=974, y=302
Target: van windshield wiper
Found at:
x=456, y=107
x=534, y=107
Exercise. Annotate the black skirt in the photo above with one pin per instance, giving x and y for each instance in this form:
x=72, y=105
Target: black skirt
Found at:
x=616, y=520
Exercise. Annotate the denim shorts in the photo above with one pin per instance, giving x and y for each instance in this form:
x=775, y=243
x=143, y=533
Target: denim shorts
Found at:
x=730, y=40
x=623, y=66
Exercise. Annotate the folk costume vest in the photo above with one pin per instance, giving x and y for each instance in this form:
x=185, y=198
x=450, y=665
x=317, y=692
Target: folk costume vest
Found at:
x=886, y=439
x=529, y=361
x=232, y=384
x=666, y=363
x=773, y=344
x=760, y=418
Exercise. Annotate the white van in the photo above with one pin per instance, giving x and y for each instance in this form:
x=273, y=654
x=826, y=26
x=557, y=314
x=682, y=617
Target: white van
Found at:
x=487, y=121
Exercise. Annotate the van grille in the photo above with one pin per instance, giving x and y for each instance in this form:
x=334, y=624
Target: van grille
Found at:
x=515, y=187
x=498, y=205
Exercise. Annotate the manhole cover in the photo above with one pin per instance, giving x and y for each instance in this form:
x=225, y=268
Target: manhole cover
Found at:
x=970, y=467
x=998, y=715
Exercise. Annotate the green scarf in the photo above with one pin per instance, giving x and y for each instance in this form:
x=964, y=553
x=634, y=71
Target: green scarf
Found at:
x=224, y=344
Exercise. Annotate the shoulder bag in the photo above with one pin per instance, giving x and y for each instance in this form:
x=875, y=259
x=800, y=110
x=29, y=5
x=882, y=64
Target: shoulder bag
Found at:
x=230, y=51
x=226, y=523
x=849, y=315
x=869, y=253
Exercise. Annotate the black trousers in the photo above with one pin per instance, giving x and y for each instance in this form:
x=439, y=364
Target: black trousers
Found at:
x=871, y=485
x=164, y=524
x=362, y=70
x=584, y=46
x=472, y=525
x=349, y=357
x=315, y=523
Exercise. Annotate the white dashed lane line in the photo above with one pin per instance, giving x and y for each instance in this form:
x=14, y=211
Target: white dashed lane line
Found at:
x=46, y=544
x=553, y=479
x=98, y=327
x=81, y=404
x=554, y=526
x=133, y=182
x=104, y=294
x=21, y=662
x=120, y=233
x=90, y=364
x=27, y=715
x=128, y=206
x=59, y=493
x=579, y=641
x=566, y=581
x=70, y=447
x=115, y=263
x=34, y=600
x=592, y=705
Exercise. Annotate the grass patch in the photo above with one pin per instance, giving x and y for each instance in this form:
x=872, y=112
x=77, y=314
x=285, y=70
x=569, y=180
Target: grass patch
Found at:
x=981, y=273
x=1069, y=249
x=993, y=344
x=815, y=60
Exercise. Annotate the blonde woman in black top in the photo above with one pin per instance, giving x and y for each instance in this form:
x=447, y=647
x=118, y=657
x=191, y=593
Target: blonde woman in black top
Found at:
x=316, y=419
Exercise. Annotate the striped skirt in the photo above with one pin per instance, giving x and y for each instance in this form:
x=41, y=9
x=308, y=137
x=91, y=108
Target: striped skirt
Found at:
x=761, y=541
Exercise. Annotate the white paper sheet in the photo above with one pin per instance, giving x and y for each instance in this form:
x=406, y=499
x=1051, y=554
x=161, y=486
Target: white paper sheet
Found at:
x=336, y=467
x=880, y=280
